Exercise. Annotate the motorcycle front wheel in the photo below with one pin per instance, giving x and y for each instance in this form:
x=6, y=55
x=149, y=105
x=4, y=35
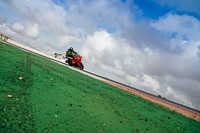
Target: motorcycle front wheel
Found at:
x=81, y=65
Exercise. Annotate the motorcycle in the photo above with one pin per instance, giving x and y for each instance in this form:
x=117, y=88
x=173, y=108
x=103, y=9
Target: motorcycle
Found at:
x=76, y=61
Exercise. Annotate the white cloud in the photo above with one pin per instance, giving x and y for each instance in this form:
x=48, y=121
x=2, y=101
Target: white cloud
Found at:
x=40, y=21
x=47, y=15
x=180, y=98
x=6, y=30
x=67, y=39
x=188, y=27
x=32, y=31
x=89, y=15
x=146, y=82
x=17, y=27
x=184, y=64
x=3, y=19
x=103, y=47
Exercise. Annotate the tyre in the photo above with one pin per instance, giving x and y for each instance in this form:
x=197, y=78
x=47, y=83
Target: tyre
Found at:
x=81, y=66
x=70, y=62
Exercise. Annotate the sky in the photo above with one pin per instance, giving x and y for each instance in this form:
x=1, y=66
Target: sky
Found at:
x=152, y=45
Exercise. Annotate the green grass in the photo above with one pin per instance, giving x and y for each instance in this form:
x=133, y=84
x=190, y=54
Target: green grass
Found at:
x=54, y=98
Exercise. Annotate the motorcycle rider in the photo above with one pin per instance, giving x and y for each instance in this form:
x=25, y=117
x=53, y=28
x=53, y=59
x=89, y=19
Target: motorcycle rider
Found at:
x=69, y=55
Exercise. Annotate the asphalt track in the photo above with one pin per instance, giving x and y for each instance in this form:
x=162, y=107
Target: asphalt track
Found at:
x=99, y=77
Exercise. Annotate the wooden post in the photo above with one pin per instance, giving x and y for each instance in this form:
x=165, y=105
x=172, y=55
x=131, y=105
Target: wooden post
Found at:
x=5, y=38
x=1, y=37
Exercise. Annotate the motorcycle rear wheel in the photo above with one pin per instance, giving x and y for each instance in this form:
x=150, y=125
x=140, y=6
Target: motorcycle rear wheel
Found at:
x=69, y=62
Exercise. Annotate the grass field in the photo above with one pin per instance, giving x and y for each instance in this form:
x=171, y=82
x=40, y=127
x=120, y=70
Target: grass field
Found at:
x=53, y=98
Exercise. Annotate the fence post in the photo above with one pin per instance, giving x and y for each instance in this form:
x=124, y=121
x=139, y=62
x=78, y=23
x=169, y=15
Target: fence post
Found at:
x=1, y=37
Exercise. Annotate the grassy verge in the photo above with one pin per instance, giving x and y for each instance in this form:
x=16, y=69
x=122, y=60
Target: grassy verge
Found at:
x=53, y=98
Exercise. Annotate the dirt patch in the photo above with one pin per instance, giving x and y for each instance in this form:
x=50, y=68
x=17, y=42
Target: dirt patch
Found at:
x=188, y=113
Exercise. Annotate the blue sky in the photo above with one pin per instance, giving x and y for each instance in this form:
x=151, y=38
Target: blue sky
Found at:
x=154, y=45
x=152, y=9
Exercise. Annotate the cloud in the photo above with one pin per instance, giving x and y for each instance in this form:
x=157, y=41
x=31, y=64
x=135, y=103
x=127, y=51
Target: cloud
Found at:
x=47, y=15
x=198, y=53
x=96, y=13
x=107, y=52
x=3, y=19
x=32, y=31
x=6, y=30
x=17, y=27
x=67, y=23
x=143, y=36
x=40, y=21
x=186, y=26
x=145, y=82
x=187, y=88
x=182, y=67
x=184, y=64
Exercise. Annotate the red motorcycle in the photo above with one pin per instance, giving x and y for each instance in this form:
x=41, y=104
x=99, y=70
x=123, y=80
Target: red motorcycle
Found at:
x=76, y=61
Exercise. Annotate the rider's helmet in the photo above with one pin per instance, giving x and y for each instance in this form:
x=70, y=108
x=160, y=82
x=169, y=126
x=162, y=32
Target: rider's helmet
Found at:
x=71, y=49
